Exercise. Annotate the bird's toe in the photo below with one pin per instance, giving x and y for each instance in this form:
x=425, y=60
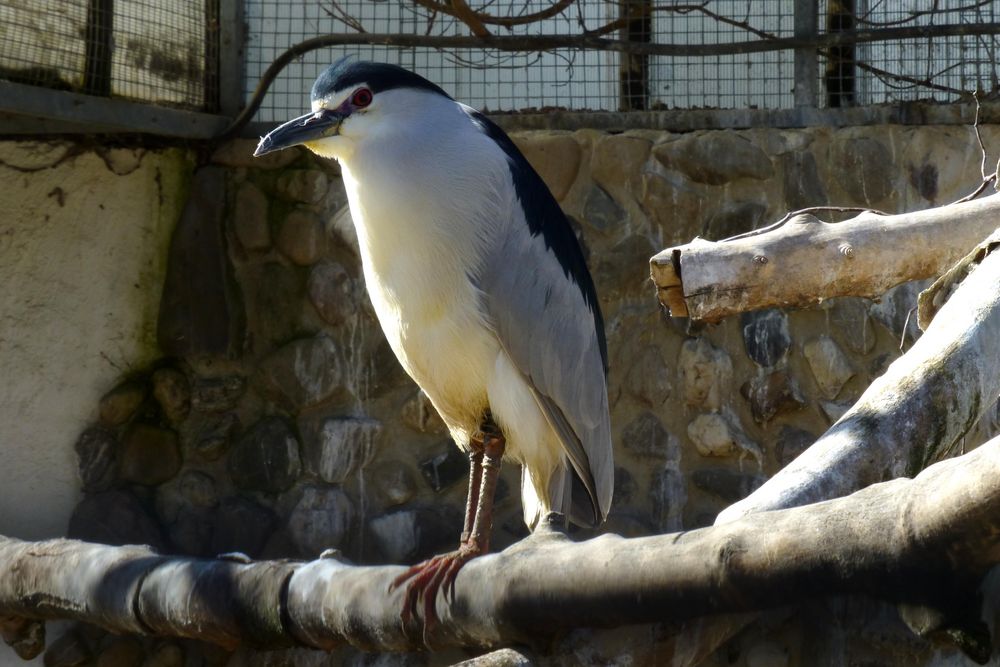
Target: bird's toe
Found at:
x=424, y=581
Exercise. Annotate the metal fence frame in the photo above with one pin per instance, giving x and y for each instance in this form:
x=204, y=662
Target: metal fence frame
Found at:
x=26, y=109
x=34, y=110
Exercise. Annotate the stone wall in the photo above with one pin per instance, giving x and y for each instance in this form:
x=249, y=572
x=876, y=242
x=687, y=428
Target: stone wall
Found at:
x=278, y=423
x=83, y=237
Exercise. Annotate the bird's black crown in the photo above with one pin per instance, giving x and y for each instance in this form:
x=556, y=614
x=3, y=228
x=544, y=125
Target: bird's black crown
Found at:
x=349, y=72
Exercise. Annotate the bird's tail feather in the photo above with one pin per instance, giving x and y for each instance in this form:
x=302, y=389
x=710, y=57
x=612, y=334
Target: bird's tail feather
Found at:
x=566, y=494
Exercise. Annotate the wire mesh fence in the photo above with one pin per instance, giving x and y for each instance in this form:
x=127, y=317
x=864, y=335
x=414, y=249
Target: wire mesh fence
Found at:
x=167, y=51
x=941, y=68
x=575, y=79
x=484, y=78
x=938, y=68
x=143, y=50
x=744, y=81
x=952, y=64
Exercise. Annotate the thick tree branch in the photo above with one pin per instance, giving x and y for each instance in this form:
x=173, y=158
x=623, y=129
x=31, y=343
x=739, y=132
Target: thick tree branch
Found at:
x=805, y=261
x=838, y=462
x=941, y=529
x=914, y=413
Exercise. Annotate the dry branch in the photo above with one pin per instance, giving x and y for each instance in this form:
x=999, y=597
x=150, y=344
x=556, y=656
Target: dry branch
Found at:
x=941, y=529
x=924, y=543
x=838, y=462
x=806, y=261
x=479, y=18
x=917, y=411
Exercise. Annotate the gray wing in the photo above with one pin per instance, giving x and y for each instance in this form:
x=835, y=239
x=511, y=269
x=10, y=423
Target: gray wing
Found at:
x=554, y=335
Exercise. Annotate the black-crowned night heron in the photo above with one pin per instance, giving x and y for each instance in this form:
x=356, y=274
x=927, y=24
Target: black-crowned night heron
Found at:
x=481, y=289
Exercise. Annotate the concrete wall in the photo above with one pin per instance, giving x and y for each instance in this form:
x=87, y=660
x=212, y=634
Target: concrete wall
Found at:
x=274, y=420
x=83, y=238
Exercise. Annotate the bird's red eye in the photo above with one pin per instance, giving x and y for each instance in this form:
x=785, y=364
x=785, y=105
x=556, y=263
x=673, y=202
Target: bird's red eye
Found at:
x=362, y=97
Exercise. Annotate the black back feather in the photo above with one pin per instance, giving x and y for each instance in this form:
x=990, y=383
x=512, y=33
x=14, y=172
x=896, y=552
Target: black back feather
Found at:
x=546, y=218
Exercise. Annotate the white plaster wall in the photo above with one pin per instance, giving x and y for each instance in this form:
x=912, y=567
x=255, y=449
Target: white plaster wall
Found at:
x=83, y=241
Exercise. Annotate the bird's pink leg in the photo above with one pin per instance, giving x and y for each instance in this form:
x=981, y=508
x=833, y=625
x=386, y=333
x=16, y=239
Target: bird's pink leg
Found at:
x=426, y=578
x=475, y=479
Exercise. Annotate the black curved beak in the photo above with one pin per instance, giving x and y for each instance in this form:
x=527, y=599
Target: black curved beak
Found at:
x=301, y=130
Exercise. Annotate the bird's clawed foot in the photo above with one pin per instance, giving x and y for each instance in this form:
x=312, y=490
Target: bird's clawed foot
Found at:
x=427, y=578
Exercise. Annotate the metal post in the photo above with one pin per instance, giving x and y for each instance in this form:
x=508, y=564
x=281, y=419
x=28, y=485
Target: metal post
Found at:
x=840, y=65
x=232, y=55
x=634, y=69
x=806, y=65
x=97, y=49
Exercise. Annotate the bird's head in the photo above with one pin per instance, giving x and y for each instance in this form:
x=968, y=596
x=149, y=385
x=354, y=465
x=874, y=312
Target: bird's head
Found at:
x=351, y=100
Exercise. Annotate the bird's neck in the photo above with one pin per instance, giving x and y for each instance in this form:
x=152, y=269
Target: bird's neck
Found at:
x=430, y=184
x=424, y=209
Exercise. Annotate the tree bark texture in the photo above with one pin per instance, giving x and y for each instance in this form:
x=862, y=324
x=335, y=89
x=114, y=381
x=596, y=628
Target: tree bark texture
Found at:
x=871, y=442
x=941, y=529
x=917, y=411
x=806, y=261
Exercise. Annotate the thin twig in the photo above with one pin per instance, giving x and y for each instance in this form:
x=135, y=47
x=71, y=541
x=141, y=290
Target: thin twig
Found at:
x=906, y=324
x=979, y=136
x=935, y=10
x=341, y=14
x=588, y=42
x=481, y=19
x=913, y=81
x=987, y=178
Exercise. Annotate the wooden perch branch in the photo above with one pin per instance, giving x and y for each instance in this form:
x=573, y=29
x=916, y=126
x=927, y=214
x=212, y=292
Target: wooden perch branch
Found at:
x=806, y=261
x=924, y=403
x=893, y=429
x=941, y=529
x=925, y=543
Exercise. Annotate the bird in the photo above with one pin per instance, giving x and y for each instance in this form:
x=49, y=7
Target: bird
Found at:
x=482, y=290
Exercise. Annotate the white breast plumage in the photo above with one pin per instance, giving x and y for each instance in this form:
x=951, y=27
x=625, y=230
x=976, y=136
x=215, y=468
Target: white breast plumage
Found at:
x=417, y=272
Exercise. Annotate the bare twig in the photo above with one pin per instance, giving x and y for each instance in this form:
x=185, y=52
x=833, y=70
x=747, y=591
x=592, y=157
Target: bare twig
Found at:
x=935, y=10
x=979, y=136
x=987, y=178
x=638, y=10
x=904, y=78
x=339, y=13
x=591, y=42
x=460, y=10
x=906, y=325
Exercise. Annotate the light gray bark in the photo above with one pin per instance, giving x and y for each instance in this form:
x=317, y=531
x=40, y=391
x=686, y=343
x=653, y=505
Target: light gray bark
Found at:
x=874, y=441
x=806, y=261
x=917, y=411
x=943, y=527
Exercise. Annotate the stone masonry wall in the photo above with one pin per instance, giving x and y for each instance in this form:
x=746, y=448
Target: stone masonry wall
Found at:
x=83, y=237
x=279, y=424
